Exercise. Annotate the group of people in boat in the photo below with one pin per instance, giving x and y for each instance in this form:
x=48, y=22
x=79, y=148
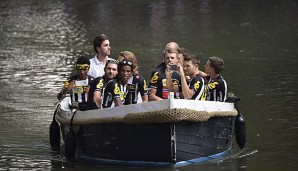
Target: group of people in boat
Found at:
x=104, y=82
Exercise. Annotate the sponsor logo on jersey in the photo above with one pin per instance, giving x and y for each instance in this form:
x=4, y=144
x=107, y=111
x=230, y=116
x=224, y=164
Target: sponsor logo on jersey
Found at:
x=154, y=78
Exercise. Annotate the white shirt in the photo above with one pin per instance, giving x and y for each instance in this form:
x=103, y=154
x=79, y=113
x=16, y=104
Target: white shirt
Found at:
x=97, y=67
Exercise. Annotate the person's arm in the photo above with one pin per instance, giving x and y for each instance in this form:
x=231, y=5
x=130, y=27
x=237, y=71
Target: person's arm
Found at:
x=153, y=96
x=203, y=74
x=118, y=101
x=154, y=85
x=97, y=98
x=128, y=99
x=97, y=95
x=170, y=85
x=145, y=98
x=66, y=89
x=116, y=93
x=61, y=94
x=143, y=89
x=186, y=91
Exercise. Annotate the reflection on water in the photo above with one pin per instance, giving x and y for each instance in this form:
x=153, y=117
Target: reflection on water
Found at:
x=35, y=56
x=38, y=43
x=40, y=40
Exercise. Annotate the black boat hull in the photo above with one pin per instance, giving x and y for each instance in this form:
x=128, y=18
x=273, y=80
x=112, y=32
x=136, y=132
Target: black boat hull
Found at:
x=158, y=142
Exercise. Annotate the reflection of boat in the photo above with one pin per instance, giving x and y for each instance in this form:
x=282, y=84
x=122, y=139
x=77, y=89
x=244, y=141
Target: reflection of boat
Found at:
x=168, y=132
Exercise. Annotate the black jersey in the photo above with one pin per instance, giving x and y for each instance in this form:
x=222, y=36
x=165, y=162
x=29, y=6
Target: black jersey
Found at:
x=82, y=95
x=125, y=94
x=196, y=84
x=100, y=83
x=109, y=92
x=216, y=89
x=137, y=84
x=158, y=81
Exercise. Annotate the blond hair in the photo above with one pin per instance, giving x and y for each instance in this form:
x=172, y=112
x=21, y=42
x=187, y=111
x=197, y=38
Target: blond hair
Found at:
x=129, y=56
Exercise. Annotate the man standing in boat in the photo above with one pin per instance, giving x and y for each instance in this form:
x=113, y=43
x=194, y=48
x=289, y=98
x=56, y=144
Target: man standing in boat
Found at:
x=216, y=89
x=102, y=49
x=193, y=87
x=107, y=90
x=159, y=84
x=79, y=87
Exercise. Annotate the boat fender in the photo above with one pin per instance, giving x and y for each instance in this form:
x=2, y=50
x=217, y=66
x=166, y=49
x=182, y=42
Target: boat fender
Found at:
x=70, y=140
x=240, y=131
x=55, y=132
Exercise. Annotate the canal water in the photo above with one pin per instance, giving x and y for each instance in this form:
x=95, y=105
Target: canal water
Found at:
x=258, y=39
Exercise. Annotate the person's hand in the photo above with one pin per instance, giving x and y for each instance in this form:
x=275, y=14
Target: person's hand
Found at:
x=168, y=70
x=72, y=85
x=180, y=69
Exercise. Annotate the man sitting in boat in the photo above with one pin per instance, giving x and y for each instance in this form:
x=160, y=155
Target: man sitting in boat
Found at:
x=136, y=82
x=124, y=73
x=170, y=45
x=159, y=84
x=107, y=90
x=192, y=88
x=216, y=89
x=78, y=86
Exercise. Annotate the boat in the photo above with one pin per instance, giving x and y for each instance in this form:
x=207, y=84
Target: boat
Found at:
x=170, y=132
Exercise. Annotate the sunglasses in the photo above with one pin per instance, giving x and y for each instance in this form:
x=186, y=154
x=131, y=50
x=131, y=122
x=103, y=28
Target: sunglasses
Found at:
x=84, y=67
x=124, y=62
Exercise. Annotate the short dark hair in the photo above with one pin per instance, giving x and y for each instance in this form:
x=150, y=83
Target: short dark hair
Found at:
x=83, y=60
x=183, y=51
x=98, y=41
x=216, y=63
x=191, y=57
x=110, y=61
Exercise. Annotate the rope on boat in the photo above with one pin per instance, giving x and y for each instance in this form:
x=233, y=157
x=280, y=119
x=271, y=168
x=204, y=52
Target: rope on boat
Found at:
x=173, y=115
x=158, y=116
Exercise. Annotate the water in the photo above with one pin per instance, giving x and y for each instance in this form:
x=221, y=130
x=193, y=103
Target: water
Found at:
x=258, y=40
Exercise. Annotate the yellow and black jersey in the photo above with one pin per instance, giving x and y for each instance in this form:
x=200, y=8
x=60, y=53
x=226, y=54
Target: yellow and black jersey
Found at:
x=110, y=92
x=82, y=95
x=216, y=89
x=158, y=81
x=196, y=84
x=100, y=83
x=125, y=94
x=137, y=84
